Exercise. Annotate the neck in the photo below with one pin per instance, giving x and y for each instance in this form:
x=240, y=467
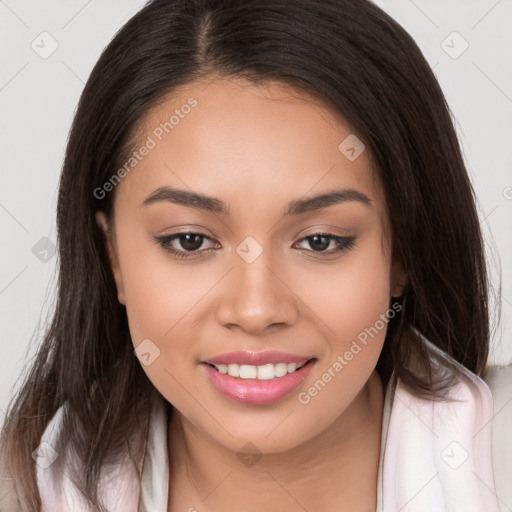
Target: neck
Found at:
x=337, y=467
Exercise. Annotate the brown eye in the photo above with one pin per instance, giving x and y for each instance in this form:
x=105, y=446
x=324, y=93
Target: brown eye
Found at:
x=190, y=241
x=319, y=242
x=180, y=244
x=188, y=244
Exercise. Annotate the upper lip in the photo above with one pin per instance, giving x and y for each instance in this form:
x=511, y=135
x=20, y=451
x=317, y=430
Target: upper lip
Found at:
x=256, y=358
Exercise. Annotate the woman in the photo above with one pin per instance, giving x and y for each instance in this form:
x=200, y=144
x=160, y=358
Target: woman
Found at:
x=272, y=288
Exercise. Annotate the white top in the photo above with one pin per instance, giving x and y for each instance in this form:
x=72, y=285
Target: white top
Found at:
x=435, y=456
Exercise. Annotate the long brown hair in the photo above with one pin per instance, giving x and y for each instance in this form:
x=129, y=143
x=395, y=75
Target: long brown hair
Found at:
x=360, y=63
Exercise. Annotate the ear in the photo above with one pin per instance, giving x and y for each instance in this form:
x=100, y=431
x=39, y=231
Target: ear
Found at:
x=102, y=221
x=399, y=278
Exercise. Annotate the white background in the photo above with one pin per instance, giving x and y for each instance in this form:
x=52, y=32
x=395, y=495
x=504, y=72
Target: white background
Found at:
x=38, y=97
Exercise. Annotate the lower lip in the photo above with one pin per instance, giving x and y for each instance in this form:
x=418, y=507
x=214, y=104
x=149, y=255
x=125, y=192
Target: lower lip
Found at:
x=255, y=391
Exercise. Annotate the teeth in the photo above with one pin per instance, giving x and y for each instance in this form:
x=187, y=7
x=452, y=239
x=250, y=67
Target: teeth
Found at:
x=291, y=367
x=281, y=369
x=233, y=370
x=263, y=372
x=223, y=368
x=248, y=372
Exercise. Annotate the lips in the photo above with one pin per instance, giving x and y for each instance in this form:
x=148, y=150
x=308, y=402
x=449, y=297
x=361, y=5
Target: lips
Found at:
x=254, y=391
x=257, y=388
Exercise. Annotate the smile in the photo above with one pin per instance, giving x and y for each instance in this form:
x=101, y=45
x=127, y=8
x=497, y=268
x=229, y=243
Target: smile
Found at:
x=263, y=372
x=262, y=384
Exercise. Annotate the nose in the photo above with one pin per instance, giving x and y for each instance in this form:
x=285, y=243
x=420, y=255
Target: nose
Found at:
x=256, y=298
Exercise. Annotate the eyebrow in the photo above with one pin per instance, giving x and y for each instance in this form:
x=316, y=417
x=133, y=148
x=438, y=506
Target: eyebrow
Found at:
x=296, y=207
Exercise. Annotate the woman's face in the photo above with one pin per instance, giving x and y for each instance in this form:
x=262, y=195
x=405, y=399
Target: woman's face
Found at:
x=254, y=279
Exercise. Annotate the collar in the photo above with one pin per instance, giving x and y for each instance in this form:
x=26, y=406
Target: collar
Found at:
x=435, y=457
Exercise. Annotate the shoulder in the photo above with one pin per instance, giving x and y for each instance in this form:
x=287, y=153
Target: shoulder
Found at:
x=499, y=381
x=7, y=500
x=8, y=485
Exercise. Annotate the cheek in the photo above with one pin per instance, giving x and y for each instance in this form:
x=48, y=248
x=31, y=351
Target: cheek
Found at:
x=158, y=304
x=158, y=290
x=349, y=297
x=161, y=296
x=352, y=304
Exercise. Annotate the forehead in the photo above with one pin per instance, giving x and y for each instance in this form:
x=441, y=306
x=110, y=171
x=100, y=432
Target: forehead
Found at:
x=233, y=139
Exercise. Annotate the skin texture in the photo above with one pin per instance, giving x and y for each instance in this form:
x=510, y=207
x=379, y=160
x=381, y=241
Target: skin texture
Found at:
x=258, y=148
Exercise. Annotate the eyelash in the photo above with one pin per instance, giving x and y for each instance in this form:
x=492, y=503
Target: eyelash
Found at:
x=344, y=244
